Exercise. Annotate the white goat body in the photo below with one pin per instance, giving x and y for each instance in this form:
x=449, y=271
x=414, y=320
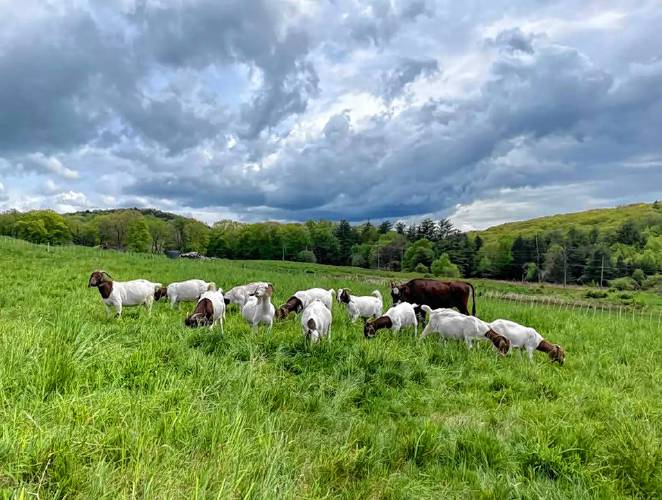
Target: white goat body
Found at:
x=316, y=321
x=188, y=291
x=451, y=324
x=365, y=306
x=402, y=315
x=131, y=293
x=308, y=296
x=240, y=294
x=258, y=308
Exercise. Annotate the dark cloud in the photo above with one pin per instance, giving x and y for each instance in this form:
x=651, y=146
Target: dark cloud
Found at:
x=406, y=72
x=287, y=110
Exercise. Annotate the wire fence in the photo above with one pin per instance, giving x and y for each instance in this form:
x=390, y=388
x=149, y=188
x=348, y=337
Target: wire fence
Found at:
x=653, y=317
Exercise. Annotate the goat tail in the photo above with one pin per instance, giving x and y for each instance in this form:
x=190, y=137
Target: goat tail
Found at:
x=211, y=286
x=332, y=292
x=414, y=305
x=377, y=294
x=426, y=308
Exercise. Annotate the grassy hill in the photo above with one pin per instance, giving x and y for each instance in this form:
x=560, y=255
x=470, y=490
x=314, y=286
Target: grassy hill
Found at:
x=606, y=219
x=96, y=407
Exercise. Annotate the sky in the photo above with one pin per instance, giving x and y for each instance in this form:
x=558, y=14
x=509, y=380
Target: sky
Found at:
x=481, y=111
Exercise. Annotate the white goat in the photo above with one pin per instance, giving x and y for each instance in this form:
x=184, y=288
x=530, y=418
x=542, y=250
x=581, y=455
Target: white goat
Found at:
x=361, y=306
x=399, y=316
x=209, y=310
x=449, y=323
x=258, y=308
x=527, y=338
x=184, y=291
x=118, y=294
x=239, y=294
x=300, y=300
x=316, y=321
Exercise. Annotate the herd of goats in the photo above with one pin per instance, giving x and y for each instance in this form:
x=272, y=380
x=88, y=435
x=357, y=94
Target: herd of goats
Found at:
x=411, y=301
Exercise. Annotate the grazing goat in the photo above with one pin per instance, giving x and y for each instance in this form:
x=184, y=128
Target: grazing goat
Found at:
x=300, y=300
x=449, y=323
x=118, y=294
x=239, y=294
x=316, y=321
x=361, y=307
x=399, y=316
x=527, y=338
x=184, y=291
x=258, y=308
x=209, y=310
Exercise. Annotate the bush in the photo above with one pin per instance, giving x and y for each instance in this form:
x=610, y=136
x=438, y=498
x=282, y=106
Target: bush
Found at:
x=306, y=256
x=653, y=283
x=421, y=268
x=596, y=294
x=639, y=276
x=444, y=267
x=623, y=284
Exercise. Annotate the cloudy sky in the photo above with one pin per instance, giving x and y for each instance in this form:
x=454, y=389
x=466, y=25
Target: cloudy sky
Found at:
x=485, y=111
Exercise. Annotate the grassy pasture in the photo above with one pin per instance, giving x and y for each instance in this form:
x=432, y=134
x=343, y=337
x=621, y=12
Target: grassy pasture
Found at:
x=142, y=406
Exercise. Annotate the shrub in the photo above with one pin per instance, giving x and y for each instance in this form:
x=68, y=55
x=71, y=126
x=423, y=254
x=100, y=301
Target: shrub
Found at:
x=421, y=268
x=444, y=267
x=623, y=284
x=596, y=294
x=639, y=276
x=306, y=256
x=653, y=283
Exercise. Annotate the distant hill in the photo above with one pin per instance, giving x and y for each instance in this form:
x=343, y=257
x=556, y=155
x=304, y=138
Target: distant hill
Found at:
x=606, y=219
x=145, y=211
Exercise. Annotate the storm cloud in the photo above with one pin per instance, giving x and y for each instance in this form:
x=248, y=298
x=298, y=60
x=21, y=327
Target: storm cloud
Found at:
x=361, y=110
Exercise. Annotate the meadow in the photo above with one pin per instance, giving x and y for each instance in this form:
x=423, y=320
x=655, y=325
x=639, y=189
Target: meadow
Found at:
x=97, y=407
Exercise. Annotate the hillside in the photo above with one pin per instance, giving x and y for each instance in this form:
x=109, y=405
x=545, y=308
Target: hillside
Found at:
x=607, y=219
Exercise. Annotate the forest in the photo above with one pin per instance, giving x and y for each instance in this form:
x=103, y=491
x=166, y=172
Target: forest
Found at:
x=621, y=247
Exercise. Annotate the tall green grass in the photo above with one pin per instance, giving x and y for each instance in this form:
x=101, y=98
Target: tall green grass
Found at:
x=142, y=406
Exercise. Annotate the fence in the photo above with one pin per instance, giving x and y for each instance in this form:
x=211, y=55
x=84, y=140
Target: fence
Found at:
x=653, y=317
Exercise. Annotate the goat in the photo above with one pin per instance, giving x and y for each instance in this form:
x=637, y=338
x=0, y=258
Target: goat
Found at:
x=118, y=294
x=363, y=307
x=258, y=308
x=316, y=321
x=209, y=310
x=451, y=324
x=527, y=338
x=300, y=300
x=184, y=291
x=399, y=316
x=239, y=294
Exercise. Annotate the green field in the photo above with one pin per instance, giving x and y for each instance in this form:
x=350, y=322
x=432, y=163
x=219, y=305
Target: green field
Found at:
x=141, y=406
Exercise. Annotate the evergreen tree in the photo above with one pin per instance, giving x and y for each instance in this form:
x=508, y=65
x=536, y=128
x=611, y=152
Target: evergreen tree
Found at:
x=385, y=227
x=412, y=232
x=346, y=239
x=427, y=229
x=400, y=227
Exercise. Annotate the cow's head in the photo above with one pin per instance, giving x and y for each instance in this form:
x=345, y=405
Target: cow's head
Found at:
x=399, y=293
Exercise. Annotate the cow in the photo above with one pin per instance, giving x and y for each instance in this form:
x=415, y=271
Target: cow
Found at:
x=436, y=294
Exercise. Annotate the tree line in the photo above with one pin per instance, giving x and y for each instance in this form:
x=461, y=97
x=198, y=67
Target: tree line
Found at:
x=573, y=256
